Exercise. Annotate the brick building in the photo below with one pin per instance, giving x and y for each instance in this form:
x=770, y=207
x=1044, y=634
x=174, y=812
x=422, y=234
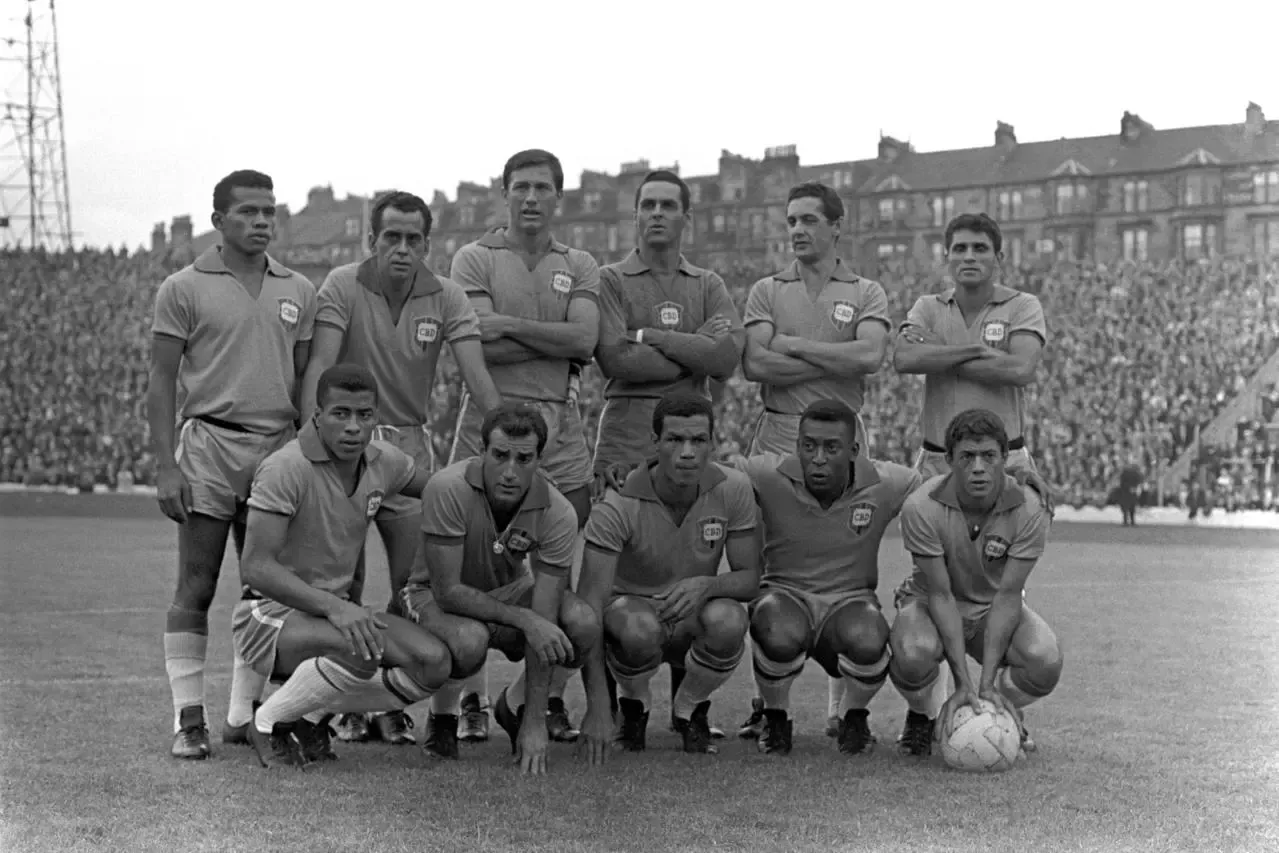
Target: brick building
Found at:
x=1141, y=194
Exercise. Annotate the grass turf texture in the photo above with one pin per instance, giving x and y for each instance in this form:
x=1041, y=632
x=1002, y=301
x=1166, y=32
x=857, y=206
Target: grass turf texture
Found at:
x=1161, y=736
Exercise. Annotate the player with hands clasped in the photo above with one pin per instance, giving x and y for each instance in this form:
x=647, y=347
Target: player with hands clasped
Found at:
x=650, y=570
x=975, y=535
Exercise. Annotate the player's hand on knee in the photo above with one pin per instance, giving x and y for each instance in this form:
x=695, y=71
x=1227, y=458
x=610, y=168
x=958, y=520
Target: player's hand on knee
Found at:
x=361, y=627
x=682, y=599
x=550, y=644
x=174, y=494
x=530, y=747
x=597, y=735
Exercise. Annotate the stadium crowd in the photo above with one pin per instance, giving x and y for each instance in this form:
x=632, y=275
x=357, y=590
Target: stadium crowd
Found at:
x=1141, y=355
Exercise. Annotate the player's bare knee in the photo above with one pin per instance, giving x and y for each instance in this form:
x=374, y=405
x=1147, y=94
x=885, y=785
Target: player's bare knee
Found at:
x=723, y=625
x=1043, y=662
x=430, y=662
x=779, y=638
x=633, y=629
x=858, y=633
x=578, y=621
x=915, y=653
x=468, y=647
x=197, y=584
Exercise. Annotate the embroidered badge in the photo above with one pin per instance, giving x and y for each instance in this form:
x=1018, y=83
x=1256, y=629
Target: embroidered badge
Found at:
x=842, y=314
x=860, y=517
x=290, y=312
x=669, y=315
x=375, y=503
x=712, y=531
x=993, y=332
x=519, y=543
x=995, y=548
x=426, y=330
x=561, y=282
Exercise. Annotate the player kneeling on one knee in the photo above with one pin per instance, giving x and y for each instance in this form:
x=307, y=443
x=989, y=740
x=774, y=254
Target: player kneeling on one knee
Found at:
x=300, y=618
x=974, y=535
x=650, y=570
x=824, y=511
x=498, y=547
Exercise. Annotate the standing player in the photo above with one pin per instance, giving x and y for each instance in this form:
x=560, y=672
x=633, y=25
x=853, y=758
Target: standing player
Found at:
x=649, y=570
x=975, y=535
x=977, y=345
x=665, y=326
x=300, y=618
x=499, y=544
x=538, y=304
x=813, y=332
x=234, y=329
x=390, y=314
x=824, y=511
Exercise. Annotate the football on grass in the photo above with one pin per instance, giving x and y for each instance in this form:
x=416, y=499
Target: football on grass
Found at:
x=988, y=742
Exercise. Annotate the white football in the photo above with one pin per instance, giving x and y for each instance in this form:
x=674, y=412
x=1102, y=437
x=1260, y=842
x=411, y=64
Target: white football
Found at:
x=988, y=742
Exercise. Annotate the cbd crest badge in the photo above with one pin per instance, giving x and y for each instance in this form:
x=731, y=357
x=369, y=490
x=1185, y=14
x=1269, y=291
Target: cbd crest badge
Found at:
x=995, y=548
x=860, y=517
x=669, y=315
x=519, y=543
x=561, y=282
x=842, y=314
x=426, y=331
x=290, y=312
x=375, y=503
x=993, y=332
x=712, y=530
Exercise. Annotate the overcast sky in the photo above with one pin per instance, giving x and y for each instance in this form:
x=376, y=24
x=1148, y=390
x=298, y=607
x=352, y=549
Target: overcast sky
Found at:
x=163, y=97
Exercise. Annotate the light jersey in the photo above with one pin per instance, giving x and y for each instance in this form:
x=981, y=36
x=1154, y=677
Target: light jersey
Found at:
x=632, y=298
x=327, y=527
x=1009, y=312
x=844, y=302
x=818, y=551
x=489, y=268
x=455, y=509
x=654, y=552
x=934, y=525
x=238, y=362
x=402, y=356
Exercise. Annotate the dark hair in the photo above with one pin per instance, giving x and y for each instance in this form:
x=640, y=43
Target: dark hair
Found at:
x=243, y=178
x=516, y=420
x=831, y=412
x=974, y=425
x=832, y=204
x=346, y=376
x=534, y=157
x=403, y=202
x=666, y=176
x=682, y=405
x=979, y=223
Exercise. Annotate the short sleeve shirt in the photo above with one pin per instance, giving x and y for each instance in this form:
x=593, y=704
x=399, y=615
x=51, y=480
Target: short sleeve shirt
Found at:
x=327, y=527
x=401, y=355
x=934, y=525
x=834, y=550
x=1009, y=312
x=845, y=302
x=237, y=364
x=653, y=551
x=455, y=510
x=632, y=298
x=489, y=268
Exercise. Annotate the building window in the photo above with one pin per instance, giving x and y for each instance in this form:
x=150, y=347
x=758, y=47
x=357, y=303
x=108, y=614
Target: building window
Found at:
x=1012, y=250
x=590, y=202
x=1195, y=190
x=886, y=210
x=1265, y=237
x=1136, y=196
x=467, y=216
x=939, y=252
x=1136, y=244
x=450, y=245
x=757, y=226
x=717, y=223
x=848, y=179
x=888, y=251
x=577, y=237
x=943, y=210
x=1009, y=205
x=1198, y=241
x=690, y=233
x=1265, y=187
x=695, y=194
x=1071, y=198
x=352, y=227
x=612, y=237
x=1070, y=244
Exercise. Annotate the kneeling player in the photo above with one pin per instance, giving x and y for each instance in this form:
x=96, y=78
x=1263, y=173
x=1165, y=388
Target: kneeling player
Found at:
x=975, y=535
x=309, y=511
x=824, y=511
x=498, y=547
x=650, y=570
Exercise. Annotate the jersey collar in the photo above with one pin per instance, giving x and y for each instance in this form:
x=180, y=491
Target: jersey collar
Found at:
x=314, y=450
x=424, y=281
x=840, y=273
x=210, y=261
x=1010, y=498
x=640, y=483
x=633, y=264
x=496, y=239
x=538, y=495
x=864, y=473
x=1000, y=294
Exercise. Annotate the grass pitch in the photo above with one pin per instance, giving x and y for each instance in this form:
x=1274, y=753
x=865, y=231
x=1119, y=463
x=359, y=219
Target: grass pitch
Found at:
x=1161, y=737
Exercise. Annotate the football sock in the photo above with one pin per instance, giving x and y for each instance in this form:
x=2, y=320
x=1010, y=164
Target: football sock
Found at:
x=315, y=717
x=477, y=684
x=834, y=696
x=246, y=688
x=448, y=698
x=860, y=682
x=634, y=683
x=317, y=684
x=392, y=689
x=1012, y=682
x=925, y=698
x=773, y=679
x=186, y=640
x=704, y=674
